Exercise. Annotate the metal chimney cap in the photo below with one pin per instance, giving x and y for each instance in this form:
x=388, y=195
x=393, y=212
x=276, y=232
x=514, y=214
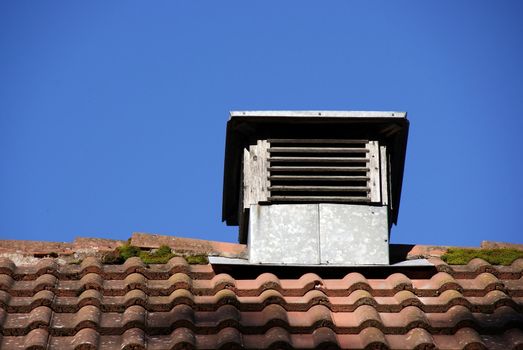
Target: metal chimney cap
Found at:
x=244, y=128
x=330, y=114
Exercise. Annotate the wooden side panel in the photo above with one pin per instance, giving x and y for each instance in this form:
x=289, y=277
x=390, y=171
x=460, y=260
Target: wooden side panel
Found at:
x=384, y=175
x=256, y=183
x=263, y=166
x=247, y=185
x=374, y=171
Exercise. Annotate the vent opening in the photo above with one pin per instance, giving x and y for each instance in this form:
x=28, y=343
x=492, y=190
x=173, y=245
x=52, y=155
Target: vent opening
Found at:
x=315, y=171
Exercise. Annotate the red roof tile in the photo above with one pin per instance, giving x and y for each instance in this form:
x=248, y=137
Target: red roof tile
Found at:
x=176, y=305
x=51, y=305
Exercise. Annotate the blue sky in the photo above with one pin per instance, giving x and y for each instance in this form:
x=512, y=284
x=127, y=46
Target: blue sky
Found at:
x=113, y=114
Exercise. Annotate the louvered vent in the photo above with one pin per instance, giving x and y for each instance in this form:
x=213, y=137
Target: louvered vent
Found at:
x=315, y=171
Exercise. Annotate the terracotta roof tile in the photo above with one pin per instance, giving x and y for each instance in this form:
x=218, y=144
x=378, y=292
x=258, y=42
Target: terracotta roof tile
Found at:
x=175, y=305
x=134, y=338
x=277, y=337
x=36, y=339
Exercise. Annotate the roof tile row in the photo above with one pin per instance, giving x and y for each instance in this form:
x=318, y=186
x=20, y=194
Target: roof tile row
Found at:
x=176, y=305
x=178, y=264
x=435, y=286
x=274, y=338
x=252, y=322
x=441, y=303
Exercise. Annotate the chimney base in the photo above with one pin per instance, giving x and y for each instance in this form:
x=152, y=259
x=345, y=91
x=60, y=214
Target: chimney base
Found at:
x=326, y=234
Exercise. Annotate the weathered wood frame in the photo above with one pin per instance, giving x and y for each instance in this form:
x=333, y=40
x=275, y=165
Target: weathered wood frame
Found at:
x=374, y=182
x=257, y=174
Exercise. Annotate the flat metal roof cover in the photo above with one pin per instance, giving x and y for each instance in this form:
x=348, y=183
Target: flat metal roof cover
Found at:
x=242, y=269
x=244, y=128
x=218, y=260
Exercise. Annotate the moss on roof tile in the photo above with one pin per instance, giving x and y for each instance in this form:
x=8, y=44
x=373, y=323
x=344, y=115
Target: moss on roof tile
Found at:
x=155, y=256
x=462, y=256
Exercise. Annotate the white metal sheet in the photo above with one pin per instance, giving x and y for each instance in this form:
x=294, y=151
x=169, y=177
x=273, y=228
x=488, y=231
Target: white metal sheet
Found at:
x=353, y=234
x=285, y=234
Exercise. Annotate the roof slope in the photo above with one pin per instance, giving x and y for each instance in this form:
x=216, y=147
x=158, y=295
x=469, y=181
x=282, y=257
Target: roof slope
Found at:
x=176, y=305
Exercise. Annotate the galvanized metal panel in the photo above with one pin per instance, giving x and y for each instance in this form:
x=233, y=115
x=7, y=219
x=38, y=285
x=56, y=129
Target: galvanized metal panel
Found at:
x=284, y=234
x=353, y=234
x=331, y=234
x=415, y=263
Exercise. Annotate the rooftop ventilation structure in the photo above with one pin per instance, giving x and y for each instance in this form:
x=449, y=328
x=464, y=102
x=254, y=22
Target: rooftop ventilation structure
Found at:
x=314, y=187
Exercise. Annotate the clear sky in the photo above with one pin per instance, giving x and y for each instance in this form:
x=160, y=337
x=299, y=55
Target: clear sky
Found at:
x=113, y=113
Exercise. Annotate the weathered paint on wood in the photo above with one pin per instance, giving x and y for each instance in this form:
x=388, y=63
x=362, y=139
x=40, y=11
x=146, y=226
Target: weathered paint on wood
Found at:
x=384, y=175
x=374, y=172
x=319, y=199
x=319, y=159
x=320, y=188
x=317, y=150
x=318, y=168
x=260, y=169
x=255, y=174
x=319, y=177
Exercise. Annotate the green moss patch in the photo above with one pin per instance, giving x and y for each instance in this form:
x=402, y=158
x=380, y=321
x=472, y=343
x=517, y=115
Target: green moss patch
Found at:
x=156, y=256
x=197, y=259
x=461, y=256
x=127, y=251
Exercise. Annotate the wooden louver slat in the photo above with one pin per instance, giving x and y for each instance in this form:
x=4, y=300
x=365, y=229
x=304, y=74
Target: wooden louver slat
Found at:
x=316, y=150
x=322, y=199
x=317, y=168
x=318, y=159
x=318, y=178
x=320, y=188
